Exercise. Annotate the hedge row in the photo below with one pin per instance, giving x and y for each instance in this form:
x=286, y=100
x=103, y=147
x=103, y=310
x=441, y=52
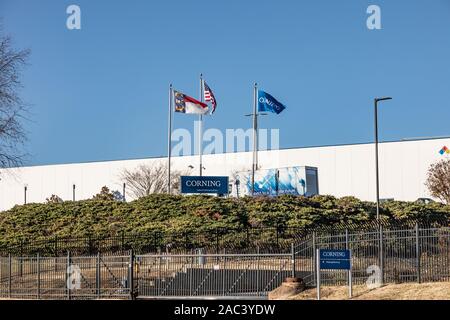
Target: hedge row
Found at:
x=166, y=213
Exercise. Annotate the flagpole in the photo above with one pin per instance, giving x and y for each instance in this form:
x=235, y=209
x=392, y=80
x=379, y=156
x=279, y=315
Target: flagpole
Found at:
x=200, y=129
x=169, y=138
x=255, y=137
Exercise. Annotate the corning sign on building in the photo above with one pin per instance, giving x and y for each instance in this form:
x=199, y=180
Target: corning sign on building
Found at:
x=193, y=184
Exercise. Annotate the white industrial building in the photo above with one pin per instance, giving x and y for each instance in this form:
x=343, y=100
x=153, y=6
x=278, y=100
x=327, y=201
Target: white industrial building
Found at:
x=343, y=170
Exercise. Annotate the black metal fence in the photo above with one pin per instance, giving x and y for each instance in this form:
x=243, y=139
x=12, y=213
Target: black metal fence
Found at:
x=206, y=275
x=387, y=255
x=79, y=277
x=409, y=254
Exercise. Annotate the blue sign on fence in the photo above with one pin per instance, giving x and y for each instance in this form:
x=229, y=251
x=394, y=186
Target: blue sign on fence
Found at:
x=335, y=259
x=217, y=185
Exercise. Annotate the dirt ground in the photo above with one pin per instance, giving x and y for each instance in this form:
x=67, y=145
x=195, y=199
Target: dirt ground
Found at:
x=405, y=291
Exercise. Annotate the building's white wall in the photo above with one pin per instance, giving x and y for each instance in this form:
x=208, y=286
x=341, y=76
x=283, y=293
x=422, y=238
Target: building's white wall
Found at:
x=343, y=171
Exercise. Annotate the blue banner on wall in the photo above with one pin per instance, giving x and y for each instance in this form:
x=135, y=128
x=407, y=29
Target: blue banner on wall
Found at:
x=273, y=182
x=193, y=184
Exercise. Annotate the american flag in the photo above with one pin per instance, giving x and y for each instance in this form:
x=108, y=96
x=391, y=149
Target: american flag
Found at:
x=209, y=96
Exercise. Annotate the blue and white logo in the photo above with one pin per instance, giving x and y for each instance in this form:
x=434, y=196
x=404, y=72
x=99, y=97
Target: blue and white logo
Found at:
x=267, y=103
x=193, y=184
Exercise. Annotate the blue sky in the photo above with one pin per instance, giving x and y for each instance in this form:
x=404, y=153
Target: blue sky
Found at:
x=101, y=92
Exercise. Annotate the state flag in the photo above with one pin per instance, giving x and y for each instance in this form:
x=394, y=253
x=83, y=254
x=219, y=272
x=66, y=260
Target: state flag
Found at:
x=186, y=104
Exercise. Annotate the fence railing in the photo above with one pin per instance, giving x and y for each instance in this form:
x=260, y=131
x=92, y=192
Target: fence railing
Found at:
x=401, y=255
x=86, y=277
x=237, y=240
x=220, y=275
x=412, y=254
x=212, y=241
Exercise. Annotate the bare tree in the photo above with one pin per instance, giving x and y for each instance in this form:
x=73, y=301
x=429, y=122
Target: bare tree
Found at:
x=238, y=179
x=147, y=179
x=108, y=195
x=12, y=108
x=438, y=180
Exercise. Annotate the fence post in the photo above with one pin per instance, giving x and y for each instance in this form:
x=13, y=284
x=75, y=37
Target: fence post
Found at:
x=9, y=276
x=418, y=253
x=346, y=247
x=317, y=262
x=20, y=258
x=67, y=275
x=97, y=276
x=349, y=273
x=314, y=256
x=257, y=272
x=56, y=253
x=191, y=270
x=381, y=255
x=224, y=272
x=293, y=259
x=159, y=269
x=38, y=261
x=131, y=275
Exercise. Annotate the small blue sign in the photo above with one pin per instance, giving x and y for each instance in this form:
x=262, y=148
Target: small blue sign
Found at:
x=192, y=184
x=335, y=259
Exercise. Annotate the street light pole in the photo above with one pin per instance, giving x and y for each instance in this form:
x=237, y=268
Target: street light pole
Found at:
x=377, y=174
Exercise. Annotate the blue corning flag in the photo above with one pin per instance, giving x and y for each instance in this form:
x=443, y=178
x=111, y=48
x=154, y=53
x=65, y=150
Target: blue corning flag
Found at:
x=267, y=103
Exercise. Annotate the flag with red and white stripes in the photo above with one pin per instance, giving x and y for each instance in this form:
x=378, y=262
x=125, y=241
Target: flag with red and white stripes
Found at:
x=209, y=97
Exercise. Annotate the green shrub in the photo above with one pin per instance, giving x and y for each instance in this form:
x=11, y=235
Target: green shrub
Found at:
x=168, y=214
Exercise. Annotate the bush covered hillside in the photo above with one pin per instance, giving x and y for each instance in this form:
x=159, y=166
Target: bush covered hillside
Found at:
x=103, y=217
